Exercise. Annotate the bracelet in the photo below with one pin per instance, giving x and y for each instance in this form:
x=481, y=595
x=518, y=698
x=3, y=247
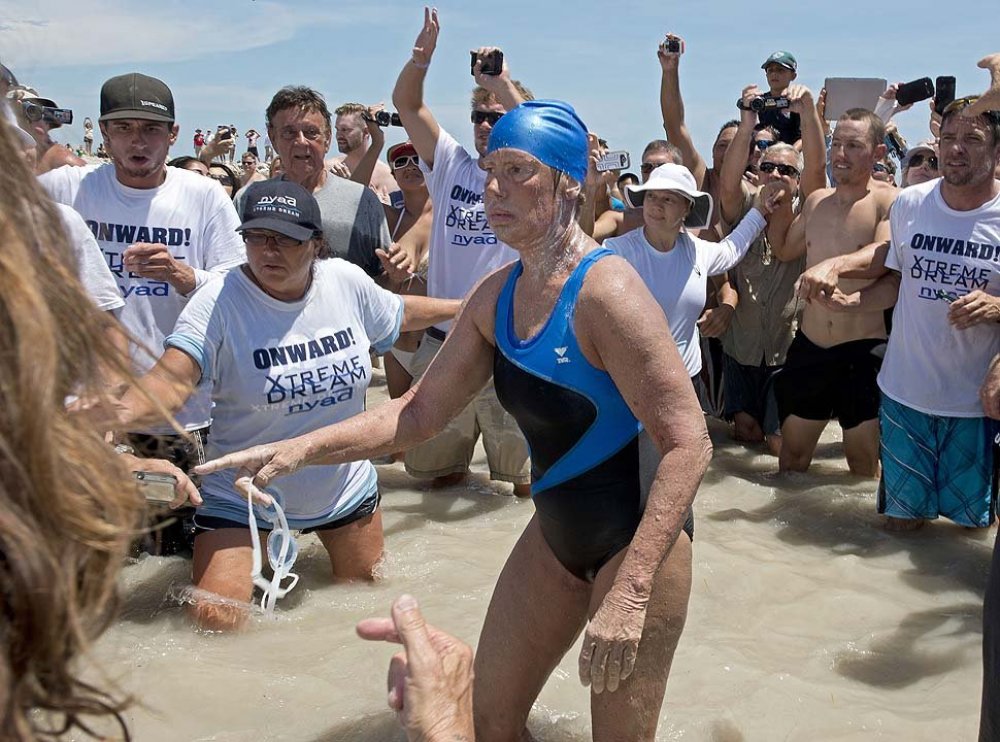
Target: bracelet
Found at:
x=417, y=64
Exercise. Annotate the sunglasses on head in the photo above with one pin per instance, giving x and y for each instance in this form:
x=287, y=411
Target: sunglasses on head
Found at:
x=490, y=117
x=960, y=104
x=762, y=144
x=398, y=163
x=783, y=169
x=918, y=160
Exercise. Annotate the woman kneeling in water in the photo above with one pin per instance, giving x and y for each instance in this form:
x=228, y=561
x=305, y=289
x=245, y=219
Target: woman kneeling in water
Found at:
x=582, y=356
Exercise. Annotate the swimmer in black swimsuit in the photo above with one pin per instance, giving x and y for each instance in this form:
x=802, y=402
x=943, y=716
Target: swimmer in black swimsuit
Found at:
x=583, y=357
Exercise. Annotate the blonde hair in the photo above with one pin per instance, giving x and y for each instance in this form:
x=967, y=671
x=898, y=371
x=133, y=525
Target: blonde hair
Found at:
x=68, y=507
x=481, y=96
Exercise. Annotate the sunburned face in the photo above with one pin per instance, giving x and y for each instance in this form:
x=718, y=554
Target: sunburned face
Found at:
x=302, y=140
x=138, y=149
x=520, y=198
x=853, y=153
x=968, y=154
x=350, y=131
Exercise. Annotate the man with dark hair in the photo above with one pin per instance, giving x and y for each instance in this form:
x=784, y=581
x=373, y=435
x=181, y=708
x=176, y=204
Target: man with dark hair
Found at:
x=463, y=249
x=937, y=452
x=354, y=227
x=165, y=233
x=831, y=367
x=353, y=141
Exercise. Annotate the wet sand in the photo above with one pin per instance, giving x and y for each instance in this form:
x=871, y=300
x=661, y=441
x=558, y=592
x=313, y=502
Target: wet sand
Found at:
x=807, y=620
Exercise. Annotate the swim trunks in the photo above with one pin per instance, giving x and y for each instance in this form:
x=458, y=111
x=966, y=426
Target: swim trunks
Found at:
x=934, y=465
x=591, y=465
x=826, y=383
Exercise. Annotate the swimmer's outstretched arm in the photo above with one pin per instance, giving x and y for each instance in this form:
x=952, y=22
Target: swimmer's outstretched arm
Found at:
x=458, y=372
x=620, y=323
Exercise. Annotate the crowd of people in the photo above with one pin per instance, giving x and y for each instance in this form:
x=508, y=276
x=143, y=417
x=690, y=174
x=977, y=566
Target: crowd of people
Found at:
x=214, y=327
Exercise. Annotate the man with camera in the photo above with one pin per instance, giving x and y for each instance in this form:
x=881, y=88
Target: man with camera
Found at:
x=832, y=363
x=353, y=141
x=762, y=323
x=463, y=249
x=301, y=127
x=165, y=233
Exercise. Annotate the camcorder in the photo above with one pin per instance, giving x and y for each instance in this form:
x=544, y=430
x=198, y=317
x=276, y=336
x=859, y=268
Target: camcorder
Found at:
x=492, y=62
x=895, y=144
x=383, y=118
x=672, y=46
x=50, y=115
x=763, y=103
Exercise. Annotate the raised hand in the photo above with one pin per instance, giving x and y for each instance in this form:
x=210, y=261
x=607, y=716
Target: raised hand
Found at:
x=423, y=47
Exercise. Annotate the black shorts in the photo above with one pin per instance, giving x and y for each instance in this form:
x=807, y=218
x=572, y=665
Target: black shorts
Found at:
x=366, y=508
x=826, y=383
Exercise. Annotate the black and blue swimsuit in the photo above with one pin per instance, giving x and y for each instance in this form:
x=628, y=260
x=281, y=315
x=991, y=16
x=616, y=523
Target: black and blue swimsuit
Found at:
x=588, y=479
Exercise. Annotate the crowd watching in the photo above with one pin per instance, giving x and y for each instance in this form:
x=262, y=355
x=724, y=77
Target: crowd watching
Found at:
x=229, y=299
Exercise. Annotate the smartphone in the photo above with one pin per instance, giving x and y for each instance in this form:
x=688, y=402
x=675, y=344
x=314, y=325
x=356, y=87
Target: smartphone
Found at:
x=617, y=160
x=225, y=134
x=944, y=94
x=156, y=488
x=914, y=92
x=492, y=63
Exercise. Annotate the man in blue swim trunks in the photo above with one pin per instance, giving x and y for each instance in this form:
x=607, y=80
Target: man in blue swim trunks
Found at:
x=582, y=357
x=937, y=447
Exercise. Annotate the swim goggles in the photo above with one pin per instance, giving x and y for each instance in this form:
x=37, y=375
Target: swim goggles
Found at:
x=282, y=550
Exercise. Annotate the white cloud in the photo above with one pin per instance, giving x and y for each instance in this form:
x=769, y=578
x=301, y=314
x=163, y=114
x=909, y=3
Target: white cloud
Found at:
x=60, y=33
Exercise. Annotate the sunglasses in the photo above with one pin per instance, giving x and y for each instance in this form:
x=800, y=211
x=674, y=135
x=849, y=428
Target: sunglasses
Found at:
x=647, y=167
x=878, y=167
x=786, y=170
x=282, y=550
x=398, y=163
x=490, y=117
x=960, y=104
x=224, y=179
x=259, y=239
x=762, y=144
x=918, y=160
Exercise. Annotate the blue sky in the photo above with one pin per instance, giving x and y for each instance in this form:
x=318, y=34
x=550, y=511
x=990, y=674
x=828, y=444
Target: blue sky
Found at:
x=224, y=59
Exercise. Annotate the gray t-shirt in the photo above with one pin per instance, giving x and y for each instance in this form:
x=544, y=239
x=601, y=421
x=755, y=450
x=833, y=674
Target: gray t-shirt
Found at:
x=353, y=222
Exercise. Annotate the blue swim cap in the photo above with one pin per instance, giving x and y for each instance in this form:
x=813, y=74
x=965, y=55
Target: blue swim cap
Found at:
x=548, y=130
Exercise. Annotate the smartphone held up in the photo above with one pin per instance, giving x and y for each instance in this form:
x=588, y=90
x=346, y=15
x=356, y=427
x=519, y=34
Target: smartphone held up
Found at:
x=492, y=62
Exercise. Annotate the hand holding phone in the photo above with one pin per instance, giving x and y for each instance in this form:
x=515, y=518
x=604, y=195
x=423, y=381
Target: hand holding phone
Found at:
x=912, y=92
x=944, y=93
x=492, y=62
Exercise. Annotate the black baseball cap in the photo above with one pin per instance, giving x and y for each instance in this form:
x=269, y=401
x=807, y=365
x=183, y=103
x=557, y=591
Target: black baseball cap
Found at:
x=136, y=96
x=283, y=207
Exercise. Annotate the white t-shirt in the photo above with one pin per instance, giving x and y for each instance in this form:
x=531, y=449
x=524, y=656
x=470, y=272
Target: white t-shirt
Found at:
x=677, y=279
x=93, y=270
x=280, y=369
x=190, y=214
x=941, y=254
x=463, y=248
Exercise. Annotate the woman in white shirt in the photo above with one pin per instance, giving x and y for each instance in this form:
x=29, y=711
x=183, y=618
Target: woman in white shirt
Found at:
x=284, y=342
x=674, y=264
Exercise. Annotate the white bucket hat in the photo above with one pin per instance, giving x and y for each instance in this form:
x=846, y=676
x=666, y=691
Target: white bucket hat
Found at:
x=677, y=178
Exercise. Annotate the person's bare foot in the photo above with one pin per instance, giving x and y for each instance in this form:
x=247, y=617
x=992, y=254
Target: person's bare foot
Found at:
x=903, y=524
x=990, y=100
x=449, y=480
x=522, y=490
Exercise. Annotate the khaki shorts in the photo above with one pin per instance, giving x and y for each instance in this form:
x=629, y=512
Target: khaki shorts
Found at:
x=450, y=451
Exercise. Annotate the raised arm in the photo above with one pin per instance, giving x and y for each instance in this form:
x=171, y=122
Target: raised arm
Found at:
x=366, y=167
x=672, y=108
x=813, y=140
x=501, y=86
x=408, y=95
x=735, y=161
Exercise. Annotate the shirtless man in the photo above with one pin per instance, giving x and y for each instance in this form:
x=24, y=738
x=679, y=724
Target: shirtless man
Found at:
x=353, y=141
x=830, y=370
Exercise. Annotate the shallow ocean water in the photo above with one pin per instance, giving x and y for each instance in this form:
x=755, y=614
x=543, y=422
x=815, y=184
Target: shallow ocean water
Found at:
x=807, y=621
